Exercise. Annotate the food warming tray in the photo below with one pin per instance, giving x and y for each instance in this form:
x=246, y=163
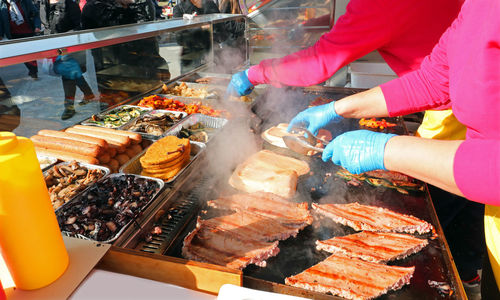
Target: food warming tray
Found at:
x=88, y=166
x=112, y=110
x=133, y=166
x=212, y=92
x=206, y=121
x=117, y=235
x=152, y=136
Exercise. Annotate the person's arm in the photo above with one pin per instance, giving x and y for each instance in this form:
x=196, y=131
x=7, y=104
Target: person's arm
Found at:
x=37, y=23
x=425, y=159
x=366, y=26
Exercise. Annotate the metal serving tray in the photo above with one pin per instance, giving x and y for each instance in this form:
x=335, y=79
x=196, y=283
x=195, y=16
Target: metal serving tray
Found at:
x=89, y=121
x=111, y=240
x=88, y=166
x=213, y=92
x=152, y=136
x=133, y=166
x=51, y=162
x=206, y=121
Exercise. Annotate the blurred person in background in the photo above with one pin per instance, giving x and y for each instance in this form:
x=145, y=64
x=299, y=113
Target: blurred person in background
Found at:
x=462, y=71
x=143, y=55
x=60, y=16
x=195, y=42
x=20, y=19
x=403, y=32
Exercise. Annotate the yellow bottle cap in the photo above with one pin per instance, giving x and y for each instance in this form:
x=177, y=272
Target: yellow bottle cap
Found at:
x=8, y=141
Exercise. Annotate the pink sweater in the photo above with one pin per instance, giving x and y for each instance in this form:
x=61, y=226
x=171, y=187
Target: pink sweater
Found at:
x=464, y=67
x=403, y=32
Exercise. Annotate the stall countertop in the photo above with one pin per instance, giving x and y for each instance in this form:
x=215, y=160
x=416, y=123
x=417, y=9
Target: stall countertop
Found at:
x=101, y=284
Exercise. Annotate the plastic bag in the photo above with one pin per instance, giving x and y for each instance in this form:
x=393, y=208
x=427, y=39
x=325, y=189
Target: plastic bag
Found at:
x=46, y=66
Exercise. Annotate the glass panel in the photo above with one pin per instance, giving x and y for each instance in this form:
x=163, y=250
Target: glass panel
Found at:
x=230, y=50
x=68, y=89
x=29, y=104
x=192, y=46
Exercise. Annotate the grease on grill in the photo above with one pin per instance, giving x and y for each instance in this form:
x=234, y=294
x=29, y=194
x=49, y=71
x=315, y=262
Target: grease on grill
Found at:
x=100, y=212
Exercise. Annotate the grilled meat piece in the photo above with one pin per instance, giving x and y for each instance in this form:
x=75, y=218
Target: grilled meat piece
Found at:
x=373, y=246
x=289, y=214
x=249, y=226
x=220, y=247
x=372, y=218
x=351, y=278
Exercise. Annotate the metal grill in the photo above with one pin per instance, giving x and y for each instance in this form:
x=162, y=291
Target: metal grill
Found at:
x=182, y=210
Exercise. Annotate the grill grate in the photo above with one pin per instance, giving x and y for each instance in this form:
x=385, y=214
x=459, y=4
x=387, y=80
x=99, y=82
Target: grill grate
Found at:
x=174, y=220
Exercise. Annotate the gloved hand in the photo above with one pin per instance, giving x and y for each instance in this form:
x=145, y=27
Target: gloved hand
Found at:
x=240, y=85
x=358, y=151
x=67, y=67
x=316, y=117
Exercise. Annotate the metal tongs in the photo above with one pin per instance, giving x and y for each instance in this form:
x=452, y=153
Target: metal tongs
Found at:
x=304, y=141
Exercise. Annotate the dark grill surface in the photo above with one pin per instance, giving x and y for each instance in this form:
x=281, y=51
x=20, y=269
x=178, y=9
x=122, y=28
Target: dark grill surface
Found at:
x=323, y=186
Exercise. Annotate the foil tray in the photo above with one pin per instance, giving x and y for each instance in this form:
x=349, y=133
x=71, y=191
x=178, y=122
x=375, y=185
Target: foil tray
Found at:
x=213, y=92
x=89, y=122
x=152, y=136
x=133, y=166
x=206, y=121
x=50, y=161
x=88, y=166
x=117, y=235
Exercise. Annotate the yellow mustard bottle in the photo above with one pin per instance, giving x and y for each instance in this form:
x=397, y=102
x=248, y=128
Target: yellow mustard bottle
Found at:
x=30, y=241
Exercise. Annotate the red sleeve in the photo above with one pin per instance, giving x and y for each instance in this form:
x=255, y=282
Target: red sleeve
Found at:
x=422, y=89
x=476, y=169
x=363, y=28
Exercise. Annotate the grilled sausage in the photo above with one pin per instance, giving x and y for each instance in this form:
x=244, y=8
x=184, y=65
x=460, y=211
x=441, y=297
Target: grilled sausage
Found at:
x=104, y=159
x=66, y=145
x=74, y=137
x=110, y=138
x=134, y=137
x=66, y=156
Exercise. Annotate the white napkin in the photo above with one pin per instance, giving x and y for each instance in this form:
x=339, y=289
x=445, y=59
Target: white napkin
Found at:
x=189, y=16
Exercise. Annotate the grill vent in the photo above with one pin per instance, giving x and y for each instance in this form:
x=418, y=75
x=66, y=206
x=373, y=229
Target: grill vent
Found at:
x=173, y=221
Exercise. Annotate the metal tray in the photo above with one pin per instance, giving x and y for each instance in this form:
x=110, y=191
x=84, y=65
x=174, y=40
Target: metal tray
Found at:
x=51, y=161
x=213, y=92
x=133, y=166
x=207, y=121
x=80, y=236
x=152, y=136
x=88, y=121
x=213, y=103
x=88, y=166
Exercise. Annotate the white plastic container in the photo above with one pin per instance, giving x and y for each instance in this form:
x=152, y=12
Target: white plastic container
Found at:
x=370, y=74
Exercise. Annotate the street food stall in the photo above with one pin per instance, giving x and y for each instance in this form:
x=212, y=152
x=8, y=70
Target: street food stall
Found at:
x=161, y=151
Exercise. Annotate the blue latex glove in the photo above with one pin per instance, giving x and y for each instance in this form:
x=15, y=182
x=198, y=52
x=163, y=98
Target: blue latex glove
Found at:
x=240, y=85
x=67, y=67
x=358, y=151
x=316, y=117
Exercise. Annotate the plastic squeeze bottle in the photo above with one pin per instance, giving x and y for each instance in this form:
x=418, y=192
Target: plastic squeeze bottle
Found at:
x=30, y=241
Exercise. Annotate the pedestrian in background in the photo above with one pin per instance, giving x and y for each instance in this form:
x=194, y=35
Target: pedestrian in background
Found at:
x=20, y=19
